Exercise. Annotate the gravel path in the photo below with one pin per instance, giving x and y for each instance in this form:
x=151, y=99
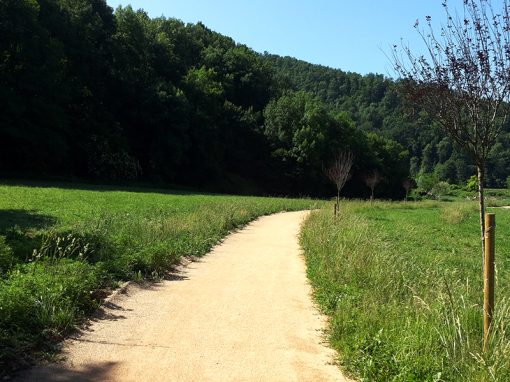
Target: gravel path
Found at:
x=242, y=313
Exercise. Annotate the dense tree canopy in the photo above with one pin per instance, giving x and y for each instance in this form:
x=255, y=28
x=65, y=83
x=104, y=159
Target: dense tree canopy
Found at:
x=374, y=104
x=92, y=93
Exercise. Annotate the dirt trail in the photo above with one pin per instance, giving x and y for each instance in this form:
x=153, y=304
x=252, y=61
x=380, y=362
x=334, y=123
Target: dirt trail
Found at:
x=242, y=313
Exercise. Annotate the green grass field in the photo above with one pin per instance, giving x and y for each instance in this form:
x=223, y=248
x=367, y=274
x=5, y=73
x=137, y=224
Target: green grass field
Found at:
x=402, y=283
x=63, y=245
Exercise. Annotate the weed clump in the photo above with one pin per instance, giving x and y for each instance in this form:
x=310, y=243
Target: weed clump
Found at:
x=456, y=213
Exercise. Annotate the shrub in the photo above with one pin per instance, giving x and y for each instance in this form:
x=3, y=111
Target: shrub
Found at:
x=472, y=183
x=440, y=189
x=425, y=182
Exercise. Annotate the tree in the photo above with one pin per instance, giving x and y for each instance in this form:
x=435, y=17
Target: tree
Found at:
x=339, y=172
x=372, y=179
x=407, y=184
x=464, y=82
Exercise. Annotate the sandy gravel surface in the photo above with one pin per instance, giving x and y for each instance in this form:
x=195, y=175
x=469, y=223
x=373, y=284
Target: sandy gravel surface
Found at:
x=242, y=313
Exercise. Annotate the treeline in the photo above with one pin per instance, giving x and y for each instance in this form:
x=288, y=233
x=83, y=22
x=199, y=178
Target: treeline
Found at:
x=93, y=93
x=374, y=104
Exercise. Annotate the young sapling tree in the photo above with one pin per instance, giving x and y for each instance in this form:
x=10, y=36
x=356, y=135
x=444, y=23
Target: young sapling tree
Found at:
x=408, y=184
x=339, y=173
x=372, y=179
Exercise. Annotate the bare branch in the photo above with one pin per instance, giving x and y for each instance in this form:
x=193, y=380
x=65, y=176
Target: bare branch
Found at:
x=372, y=179
x=339, y=171
x=408, y=184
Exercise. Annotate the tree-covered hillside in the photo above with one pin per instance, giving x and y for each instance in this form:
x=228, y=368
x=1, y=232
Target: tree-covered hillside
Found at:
x=374, y=104
x=92, y=93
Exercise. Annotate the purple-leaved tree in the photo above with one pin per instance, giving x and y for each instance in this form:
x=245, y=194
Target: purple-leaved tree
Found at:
x=463, y=80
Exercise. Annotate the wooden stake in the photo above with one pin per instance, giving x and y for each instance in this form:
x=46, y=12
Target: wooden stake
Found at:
x=336, y=209
x=488, y=298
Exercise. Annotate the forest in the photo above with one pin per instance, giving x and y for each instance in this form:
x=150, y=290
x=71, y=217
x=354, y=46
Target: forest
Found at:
x=92, y=93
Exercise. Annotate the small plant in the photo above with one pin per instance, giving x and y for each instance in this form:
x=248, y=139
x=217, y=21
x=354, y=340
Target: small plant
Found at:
x=55, y=247
x=457, y=213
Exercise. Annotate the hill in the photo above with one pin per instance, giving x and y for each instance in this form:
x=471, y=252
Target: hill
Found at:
x=93, y=93
x=374, y=104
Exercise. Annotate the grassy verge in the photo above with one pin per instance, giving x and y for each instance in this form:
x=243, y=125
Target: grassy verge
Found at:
x=61, y=246
x=402, y=283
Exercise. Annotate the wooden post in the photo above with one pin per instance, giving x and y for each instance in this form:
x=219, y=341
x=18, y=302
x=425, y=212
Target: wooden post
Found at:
x=336, y=209
x=488, y=295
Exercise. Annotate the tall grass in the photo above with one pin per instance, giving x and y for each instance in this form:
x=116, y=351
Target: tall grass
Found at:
x=60, y=248
x=402, y=284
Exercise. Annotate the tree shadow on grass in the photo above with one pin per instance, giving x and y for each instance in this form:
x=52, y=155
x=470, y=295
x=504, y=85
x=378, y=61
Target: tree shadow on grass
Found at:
x=21, y=229
x=24, y=220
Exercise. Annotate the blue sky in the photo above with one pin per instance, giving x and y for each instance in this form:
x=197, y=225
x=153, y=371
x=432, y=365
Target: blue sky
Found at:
x=352, y=35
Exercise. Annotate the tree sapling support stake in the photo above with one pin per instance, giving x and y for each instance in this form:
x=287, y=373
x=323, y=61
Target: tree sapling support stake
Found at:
x=488, y=290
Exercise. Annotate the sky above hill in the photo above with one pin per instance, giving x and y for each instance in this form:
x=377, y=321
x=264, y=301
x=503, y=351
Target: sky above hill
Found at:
x=354, y=36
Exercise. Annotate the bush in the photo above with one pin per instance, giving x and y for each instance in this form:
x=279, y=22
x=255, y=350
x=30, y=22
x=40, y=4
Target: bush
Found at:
x=472, y=183
x=425, y=182
x=440, y=189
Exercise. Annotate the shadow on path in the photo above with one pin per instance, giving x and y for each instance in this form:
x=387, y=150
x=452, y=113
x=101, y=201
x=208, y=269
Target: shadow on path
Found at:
x=57, y=373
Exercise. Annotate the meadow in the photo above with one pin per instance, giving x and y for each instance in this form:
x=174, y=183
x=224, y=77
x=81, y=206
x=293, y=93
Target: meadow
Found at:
x=64, y=246
x=402, y=284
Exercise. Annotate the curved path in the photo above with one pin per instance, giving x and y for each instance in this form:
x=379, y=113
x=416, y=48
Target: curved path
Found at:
x=242, y=313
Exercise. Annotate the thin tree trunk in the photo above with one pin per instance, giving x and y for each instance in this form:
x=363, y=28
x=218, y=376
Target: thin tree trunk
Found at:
x=481, y=200
x=338, y=199
x=372, y=195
